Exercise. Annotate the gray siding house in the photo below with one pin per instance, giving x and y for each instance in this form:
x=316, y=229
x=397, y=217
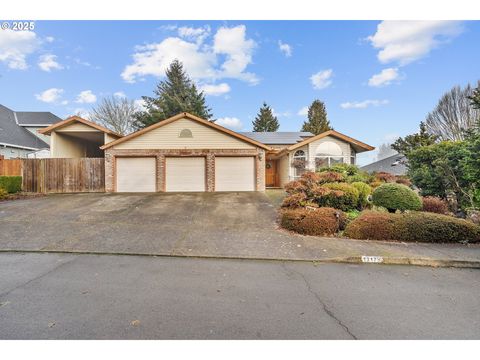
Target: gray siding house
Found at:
x=18, y=132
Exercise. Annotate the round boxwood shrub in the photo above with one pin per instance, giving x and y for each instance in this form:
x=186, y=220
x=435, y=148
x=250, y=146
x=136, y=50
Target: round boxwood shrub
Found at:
x=340, y=196
x=319, y=222
x=412, y=226
x=394, y=197
x=364, y=191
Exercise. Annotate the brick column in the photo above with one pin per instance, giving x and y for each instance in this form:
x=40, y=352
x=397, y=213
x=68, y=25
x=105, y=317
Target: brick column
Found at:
x=210, y=160
x=260, y=170
x=109, y=171
x=160, y=172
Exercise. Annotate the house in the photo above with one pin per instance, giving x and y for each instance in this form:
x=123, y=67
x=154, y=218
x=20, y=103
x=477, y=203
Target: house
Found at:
x=18, y=132
x=76, y=137
x=395, y=164
x=187, y=153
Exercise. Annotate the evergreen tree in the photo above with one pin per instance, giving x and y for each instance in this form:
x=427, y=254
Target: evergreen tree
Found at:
x=176, y=94
x=317, y=122
x=265, y=121
x=475, y=98
x=414, y=141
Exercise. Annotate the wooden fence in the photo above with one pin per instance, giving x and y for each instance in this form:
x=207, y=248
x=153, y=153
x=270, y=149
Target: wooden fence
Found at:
x=10, y=167
x=60, y=175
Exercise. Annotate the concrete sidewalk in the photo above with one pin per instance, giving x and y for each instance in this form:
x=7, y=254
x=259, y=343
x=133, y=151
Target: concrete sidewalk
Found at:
x=240, y=226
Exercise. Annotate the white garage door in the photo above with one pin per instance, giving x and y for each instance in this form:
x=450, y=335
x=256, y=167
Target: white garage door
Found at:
x=185, y=174
x=136, y=174
x=234, y=174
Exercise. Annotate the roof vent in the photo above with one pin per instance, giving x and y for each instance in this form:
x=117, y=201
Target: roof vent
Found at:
x=186, y=133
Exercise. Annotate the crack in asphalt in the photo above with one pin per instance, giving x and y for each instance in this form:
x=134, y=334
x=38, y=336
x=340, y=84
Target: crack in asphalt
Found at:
x=37, y=277
x=320, y=301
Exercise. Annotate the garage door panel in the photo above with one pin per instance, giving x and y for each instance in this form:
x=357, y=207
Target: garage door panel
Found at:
x=136, y=174
x=185, y=174
x=235, y=173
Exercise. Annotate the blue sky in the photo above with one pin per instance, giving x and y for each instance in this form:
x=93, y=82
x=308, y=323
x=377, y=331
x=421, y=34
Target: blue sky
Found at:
x=378, y=79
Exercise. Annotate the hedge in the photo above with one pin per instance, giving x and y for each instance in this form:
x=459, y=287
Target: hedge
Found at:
x=12, y=184
x=320, y=221
x=341, y=196
x=434, y=204
x=394, y=196
x=412, y=226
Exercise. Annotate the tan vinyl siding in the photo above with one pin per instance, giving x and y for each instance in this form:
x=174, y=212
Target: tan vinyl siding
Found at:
x=167, y=137
x=65, y=147
x=109, y=138
x=76, y=126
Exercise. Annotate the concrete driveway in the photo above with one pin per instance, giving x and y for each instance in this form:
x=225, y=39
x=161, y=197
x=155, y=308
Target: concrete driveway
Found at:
x=238, y=225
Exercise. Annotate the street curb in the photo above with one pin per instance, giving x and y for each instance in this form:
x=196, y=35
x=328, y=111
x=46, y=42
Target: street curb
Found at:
x=426, y=262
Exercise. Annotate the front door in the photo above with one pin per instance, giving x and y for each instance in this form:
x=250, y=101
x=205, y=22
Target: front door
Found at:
x=271, y=173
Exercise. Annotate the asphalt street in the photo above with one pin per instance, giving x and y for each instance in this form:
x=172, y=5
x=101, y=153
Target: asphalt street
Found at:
x=59, y=296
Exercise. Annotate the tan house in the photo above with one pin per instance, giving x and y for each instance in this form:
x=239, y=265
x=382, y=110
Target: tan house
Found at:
x=188, y=154
x=75, y=137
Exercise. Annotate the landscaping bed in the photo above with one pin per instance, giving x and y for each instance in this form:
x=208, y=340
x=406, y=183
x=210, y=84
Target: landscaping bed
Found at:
x=343, y=201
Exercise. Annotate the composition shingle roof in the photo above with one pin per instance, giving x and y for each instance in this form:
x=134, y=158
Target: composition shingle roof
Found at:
x=281, y=137
x=13, y=134
x=36, y=118
x=395, y=164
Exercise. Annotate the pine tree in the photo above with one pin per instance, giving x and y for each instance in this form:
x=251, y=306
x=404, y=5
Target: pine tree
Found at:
x=475, y=98
x=317, y=122
x=265, y=121
x=176, y=94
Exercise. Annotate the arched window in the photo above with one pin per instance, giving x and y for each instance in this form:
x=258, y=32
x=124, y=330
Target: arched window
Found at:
x=299, y=163
x=327, y=154
x=186, y=133
x=299, y=154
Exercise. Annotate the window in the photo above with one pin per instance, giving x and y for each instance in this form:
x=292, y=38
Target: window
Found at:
x=328, y=153
x=186, y=133
x=299, y=163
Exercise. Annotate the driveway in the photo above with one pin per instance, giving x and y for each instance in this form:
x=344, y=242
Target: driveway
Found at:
x=238, y=225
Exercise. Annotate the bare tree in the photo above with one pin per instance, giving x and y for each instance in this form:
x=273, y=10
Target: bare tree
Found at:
x=453, y=114
x=116, y=114
x=384, y=151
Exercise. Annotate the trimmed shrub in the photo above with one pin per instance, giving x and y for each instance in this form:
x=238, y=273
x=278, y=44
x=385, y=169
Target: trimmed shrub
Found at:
x=364, y=191
x=320, y=222
x=294, y=187
x=330, y=176
x=396, y=197
x=385, y=177
x=294, y=200
x=412, y=226
x=403, y=180
x=341, y=196
x=3, y=193
x=346, y=169
x=434, y=205
x=373, y=225
x=12, y=184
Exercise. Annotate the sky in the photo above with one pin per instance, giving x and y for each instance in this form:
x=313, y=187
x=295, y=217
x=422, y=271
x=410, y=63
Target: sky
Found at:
x=378, y=79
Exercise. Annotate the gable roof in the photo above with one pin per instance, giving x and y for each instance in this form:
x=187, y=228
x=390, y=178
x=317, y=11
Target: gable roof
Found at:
x=13, y=135
x=395, y=164
x=72, y=119
x=358, y=144
x=278, y=138
x=190, y=117
x=36, y=118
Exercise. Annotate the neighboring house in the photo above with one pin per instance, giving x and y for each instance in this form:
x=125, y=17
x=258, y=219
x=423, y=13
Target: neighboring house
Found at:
x=18, y=132
x=76, y=138
x=187, y=153
x=395, y=164
x=292, y=154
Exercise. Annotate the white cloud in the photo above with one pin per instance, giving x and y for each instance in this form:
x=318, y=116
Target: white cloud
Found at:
x=230, y=122
x=281, y=114
x=285, y=48
x=384, y=78
x=83, y=113
x=407, y=41
x=119, y=94
x=303, y=111
x=227, y=57
x=86, y=97
x=322, y=79
x=215, y=90
x=15, y=46
x=196, y=34
x=363, y=104
x=50, y=95
x=48, y=62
